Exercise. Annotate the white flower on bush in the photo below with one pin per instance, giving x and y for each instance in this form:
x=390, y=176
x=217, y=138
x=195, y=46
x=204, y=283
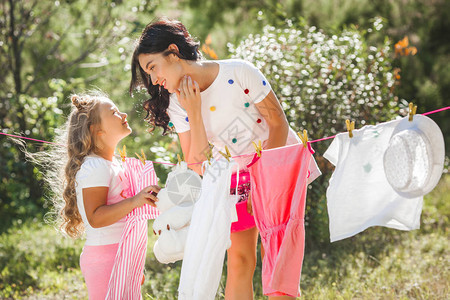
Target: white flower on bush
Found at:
x=322, y=80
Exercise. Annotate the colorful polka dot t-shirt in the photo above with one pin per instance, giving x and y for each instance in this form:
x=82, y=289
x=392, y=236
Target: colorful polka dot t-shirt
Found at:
x=228, y=108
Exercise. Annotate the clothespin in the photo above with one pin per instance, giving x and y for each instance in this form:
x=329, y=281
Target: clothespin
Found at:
x=123, y=153
x=412, y=111
x=179, y=158
x=208, y=154
x=303, y=137
x=350, y=127
x=227, y=154
x=258, y=148
x=141, y=158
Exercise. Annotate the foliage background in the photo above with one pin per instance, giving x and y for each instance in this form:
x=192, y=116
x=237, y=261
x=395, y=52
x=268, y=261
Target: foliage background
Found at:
x=50, y=49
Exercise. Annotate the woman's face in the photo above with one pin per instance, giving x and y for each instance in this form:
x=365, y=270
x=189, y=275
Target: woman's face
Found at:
x=165, y=71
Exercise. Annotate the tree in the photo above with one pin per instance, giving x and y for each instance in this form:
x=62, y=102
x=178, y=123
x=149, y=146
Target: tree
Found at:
x=42, y=46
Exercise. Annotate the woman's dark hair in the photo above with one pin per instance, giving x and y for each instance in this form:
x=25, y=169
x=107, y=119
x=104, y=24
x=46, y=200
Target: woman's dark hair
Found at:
x=156, y=38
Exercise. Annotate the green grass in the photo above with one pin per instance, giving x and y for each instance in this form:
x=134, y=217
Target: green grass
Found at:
x=36, y=262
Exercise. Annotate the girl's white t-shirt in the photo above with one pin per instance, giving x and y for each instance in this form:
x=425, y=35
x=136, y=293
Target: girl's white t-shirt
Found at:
x=99, y=172
x=229, y=112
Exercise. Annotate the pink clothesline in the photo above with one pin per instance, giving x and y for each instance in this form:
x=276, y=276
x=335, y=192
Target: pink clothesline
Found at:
x=435, y=111
x=243, y=155
x=27, y=138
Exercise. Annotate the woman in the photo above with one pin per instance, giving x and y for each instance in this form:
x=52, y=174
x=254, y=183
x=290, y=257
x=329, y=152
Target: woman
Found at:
x=225, y=103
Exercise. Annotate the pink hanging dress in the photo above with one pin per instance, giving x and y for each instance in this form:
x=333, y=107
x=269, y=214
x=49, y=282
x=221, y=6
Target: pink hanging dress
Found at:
x=279, y=185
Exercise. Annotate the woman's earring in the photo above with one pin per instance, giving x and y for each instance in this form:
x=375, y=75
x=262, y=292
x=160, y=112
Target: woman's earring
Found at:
x=159, y=90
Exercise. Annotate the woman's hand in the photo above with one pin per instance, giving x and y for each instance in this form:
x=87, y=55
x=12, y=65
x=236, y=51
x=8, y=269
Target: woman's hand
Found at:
x=147, y=196
x=189, y=96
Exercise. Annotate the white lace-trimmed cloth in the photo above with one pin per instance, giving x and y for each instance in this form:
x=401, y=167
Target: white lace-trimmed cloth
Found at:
x=126, y=276
x=209, y=234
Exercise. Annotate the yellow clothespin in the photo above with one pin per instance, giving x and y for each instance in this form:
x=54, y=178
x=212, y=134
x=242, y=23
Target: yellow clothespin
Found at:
x=211, y=146
x=208, y=154
x=141, y=158
x=179, y=158
x=350, y=127
x=227, y=154
x=258, y=148
x=303, y=137
x=412, y=111
x=123, y=153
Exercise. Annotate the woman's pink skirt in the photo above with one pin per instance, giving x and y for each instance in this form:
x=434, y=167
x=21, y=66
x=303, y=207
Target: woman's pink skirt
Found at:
x=245, y=220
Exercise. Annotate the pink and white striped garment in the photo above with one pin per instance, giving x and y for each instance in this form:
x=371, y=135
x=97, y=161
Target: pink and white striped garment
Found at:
x=126, y=276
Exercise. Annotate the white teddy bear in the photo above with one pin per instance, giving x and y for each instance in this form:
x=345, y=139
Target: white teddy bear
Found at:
x=176, y=203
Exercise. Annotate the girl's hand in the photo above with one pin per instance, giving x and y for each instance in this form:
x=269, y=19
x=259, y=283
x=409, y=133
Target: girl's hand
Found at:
x=147, y=196
x=189, y=96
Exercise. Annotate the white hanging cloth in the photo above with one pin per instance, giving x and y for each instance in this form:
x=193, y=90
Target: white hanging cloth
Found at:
x=359, y=195
x=209, y=234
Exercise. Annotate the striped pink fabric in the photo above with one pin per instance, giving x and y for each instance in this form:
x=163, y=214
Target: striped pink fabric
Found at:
x=126, y=276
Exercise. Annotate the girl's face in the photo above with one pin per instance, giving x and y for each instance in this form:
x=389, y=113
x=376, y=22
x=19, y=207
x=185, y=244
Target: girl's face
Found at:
x=165, y=71
x=114, y=125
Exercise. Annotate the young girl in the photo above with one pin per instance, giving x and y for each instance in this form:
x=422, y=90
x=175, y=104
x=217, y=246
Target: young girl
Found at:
x=93, y=187
x=227, y=103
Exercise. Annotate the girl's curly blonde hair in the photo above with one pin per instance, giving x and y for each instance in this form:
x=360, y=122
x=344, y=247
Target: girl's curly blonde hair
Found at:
x=82, y=121
x=62, y=163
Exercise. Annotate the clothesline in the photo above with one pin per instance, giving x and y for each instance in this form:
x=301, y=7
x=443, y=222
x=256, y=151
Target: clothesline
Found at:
x=243, y=155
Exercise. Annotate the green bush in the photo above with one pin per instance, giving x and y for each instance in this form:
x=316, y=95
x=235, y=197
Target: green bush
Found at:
x=322, y=80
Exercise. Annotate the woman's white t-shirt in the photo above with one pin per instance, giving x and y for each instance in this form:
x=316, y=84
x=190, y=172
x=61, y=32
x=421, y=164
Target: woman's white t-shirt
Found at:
x=99, y=172
x=229, y=112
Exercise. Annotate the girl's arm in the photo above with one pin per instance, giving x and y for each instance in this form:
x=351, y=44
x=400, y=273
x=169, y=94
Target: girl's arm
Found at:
x=99, y=214
x=193, y=142
x=271, y=110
